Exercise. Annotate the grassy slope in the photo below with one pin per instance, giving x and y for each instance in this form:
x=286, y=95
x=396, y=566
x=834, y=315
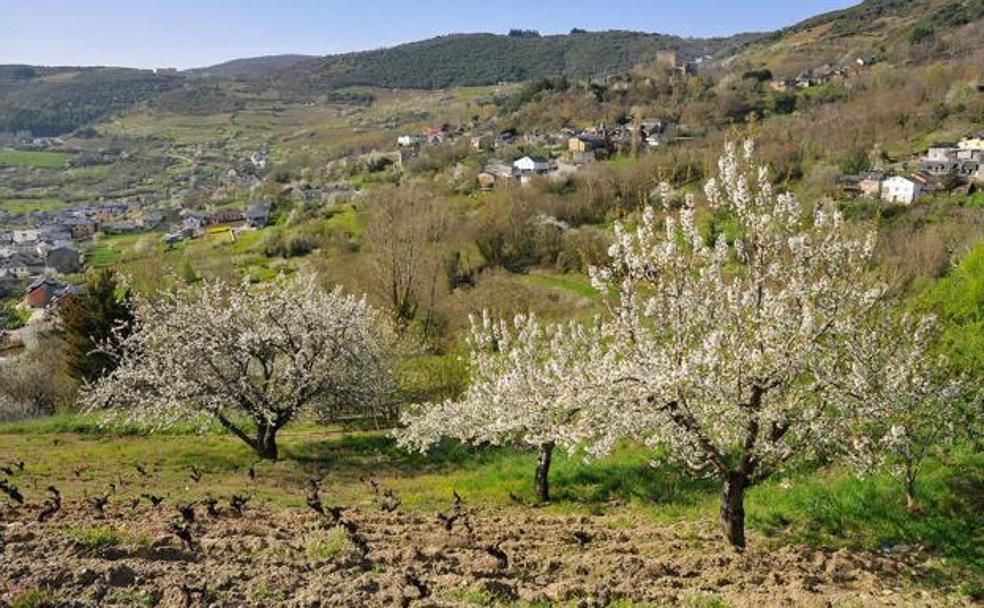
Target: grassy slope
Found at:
x=825, y=507
x=23, y=158
x=27, y=205
x=879, y=27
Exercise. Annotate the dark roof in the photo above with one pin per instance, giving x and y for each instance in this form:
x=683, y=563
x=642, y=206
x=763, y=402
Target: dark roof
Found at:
x=45, y=281
x=261, y=209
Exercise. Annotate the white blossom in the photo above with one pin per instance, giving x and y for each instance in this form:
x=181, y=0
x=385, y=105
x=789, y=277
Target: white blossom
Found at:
x=905, y=402
x=262, y=354
x=521, y=389
x=713, y=351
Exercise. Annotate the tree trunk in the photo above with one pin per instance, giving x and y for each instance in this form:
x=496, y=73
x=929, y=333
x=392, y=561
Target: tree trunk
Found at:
x=911, y=500
x=266, y=442
x=543, y=472
x=733, y=509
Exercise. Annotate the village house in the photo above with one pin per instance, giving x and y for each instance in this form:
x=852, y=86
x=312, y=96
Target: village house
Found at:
x=258, y=214
x=870, y=185
x=20, y=266
x=529, y=166
x=407, y=141
x=586, y=143
x=225, y=216
x=486, y=181
x=63, y=260
x=866, y=61
x=150, y=220
x=80, y=227
x=505, y=138
x=899, y=189
x=121, y=227
x=495, y=172
x=43, y=291
x=866, y=185
x=974, y=142
x=26, y=235
x=54, y=234
x=963, y=160
x=532, y=164
x=193, y=221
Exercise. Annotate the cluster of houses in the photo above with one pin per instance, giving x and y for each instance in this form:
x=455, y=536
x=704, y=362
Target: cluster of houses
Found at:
x=193, y=225
x=574, y=149
x=523, y=170
x=431, y=135
x=577, y=147
x=41, y=143
x=49, y=249
x=963, y=162
x=965, y=159
x=44, y=247
x=824, y=74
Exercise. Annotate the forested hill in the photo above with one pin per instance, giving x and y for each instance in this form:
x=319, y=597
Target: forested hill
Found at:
x=53, y=101
x=250, y=66
x=481, y=59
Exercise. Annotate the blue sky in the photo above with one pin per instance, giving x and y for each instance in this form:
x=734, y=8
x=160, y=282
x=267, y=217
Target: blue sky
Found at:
x=189, y=33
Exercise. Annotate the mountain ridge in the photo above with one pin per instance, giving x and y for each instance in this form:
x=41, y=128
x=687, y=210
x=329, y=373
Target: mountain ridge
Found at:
x=57, y=100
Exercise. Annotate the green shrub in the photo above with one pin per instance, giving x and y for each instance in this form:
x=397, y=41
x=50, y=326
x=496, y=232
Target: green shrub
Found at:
x=96, y=538
x=36, y=598
x=325, y=545
x=11, y=318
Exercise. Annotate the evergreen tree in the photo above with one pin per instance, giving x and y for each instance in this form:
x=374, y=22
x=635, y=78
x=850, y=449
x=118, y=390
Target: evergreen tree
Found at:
x=90, y=319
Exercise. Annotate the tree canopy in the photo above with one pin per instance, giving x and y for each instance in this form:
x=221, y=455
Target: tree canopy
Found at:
x=236, y=354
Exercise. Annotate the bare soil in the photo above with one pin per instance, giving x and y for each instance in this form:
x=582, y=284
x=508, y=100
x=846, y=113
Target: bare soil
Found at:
x=132, y=555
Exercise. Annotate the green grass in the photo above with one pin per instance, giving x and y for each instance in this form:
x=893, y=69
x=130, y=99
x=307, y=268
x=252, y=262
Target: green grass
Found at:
x=577, y=284
x=91, y=425
x=29, y=205
x=263, y=593
x=15, y=319
x=23, y=158
x=345, y=219
x=37, y=598
x=833, y=508
x=102, y=256
x=324, y=545
x=132, y=598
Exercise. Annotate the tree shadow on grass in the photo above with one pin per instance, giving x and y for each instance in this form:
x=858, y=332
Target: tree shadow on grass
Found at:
x=625, y=476
x=844, y=510
x=619, y=481
x=369, y=454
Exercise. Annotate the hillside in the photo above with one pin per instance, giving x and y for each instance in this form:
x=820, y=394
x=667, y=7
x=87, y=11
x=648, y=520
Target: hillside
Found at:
x=483, y=59
x=249, y=66
x=53, y=101
x=900, y=31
